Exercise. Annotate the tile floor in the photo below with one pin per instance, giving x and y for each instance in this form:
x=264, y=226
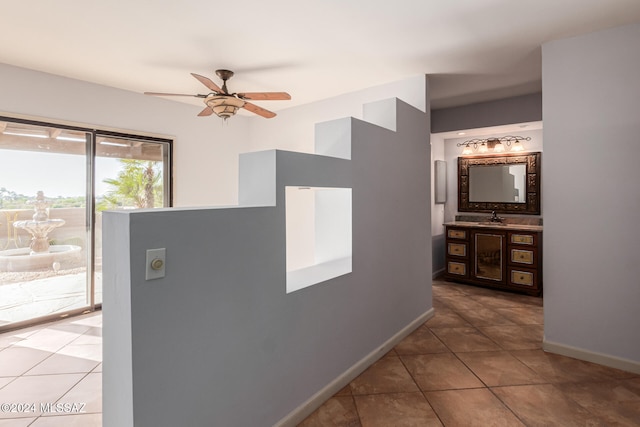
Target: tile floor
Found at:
x=55, y=363
x=477, y=362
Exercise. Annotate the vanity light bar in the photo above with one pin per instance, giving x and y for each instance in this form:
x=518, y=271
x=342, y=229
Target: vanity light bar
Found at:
x=496, y=145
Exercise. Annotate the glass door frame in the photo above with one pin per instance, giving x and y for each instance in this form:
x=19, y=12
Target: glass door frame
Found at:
x=92, y=135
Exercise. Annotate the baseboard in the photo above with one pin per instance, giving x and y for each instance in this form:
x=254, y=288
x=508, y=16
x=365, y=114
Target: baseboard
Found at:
x=314, y=402
x=438, y=273
x=590, y=356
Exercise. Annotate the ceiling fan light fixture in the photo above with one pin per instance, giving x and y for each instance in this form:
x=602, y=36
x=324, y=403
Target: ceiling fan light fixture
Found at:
x=224, y=106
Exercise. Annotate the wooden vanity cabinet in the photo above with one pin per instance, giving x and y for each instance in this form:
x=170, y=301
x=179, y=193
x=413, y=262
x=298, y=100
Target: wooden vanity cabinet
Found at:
x=495, y=257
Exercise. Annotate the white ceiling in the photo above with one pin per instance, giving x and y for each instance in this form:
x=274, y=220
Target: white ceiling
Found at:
x=314, y=49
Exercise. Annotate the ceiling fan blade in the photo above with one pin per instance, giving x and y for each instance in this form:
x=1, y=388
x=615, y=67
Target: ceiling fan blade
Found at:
x=258, y=110
x=173, y=94
x=207, y=82
x=265, y=96
x=206, y=112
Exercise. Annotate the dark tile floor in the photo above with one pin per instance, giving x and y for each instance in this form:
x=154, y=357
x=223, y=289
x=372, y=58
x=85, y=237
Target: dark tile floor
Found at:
x=479, y=362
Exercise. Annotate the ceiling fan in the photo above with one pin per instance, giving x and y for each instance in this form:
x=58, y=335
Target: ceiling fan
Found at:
x=224, y=104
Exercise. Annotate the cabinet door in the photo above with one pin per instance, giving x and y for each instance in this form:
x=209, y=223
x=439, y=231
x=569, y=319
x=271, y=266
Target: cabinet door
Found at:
x=489, y=259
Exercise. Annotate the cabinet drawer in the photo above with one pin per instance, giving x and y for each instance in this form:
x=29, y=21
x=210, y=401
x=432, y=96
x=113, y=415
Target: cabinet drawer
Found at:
x=523, y=256
x=457, y=268
x=523, y=277
x=456, y=234
x=522, y=239
x=457, y=249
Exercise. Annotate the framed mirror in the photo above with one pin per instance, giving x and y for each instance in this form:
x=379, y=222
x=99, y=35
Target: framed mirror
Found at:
x=505, y=183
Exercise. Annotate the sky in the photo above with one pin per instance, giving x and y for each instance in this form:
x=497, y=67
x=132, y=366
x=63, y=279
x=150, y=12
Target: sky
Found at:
x=27, y=172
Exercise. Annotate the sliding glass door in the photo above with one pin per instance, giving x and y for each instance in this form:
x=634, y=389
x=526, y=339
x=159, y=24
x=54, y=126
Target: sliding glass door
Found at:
x=54, y=183
x=130, y=174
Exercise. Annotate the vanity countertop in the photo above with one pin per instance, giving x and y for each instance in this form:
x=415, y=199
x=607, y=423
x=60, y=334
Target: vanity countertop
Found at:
x=499, y=225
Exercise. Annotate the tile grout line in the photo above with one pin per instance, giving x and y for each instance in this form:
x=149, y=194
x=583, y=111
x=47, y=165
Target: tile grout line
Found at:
x=521, y=385
x=486, y=386
x=416, y=383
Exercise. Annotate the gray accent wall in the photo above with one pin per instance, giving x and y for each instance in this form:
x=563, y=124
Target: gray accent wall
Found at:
x=218, y=341
x=518, y=109
x=592, y=196
x=439, y=251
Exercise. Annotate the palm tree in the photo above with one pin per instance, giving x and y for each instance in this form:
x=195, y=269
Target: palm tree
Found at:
x=139, y=185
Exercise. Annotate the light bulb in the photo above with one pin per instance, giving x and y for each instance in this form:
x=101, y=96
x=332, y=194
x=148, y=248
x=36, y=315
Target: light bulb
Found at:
x=483, y=148
x=517, y=146
x=467, y=150
x=498, y=148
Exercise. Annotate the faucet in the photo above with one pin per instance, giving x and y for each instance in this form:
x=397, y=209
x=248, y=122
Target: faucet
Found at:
x=494, y=217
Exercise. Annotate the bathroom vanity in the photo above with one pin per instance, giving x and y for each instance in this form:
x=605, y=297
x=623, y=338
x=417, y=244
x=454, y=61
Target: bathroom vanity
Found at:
x=503, y=253
x=502, y=256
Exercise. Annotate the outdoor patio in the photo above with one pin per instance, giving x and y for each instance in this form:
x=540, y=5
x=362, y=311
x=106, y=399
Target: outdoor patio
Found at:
x=27, y=295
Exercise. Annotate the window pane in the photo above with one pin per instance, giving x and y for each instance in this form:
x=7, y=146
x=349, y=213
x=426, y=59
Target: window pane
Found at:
x=130, y=174
x=43, y=225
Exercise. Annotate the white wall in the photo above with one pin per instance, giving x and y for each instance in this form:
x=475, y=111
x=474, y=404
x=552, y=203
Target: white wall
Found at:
x=293, y=128
x=437, y=210
x=300, y=228
x=318, y=225
x=205, y=151
x=302, y=128
x=592, y=197
x=333, y=224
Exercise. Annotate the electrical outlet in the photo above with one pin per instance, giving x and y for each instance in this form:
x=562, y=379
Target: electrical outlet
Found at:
x=156, y=261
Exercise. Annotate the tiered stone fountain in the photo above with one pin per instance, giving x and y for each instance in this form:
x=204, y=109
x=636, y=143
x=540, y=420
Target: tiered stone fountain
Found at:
x=40, y=226
x=39, y=254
